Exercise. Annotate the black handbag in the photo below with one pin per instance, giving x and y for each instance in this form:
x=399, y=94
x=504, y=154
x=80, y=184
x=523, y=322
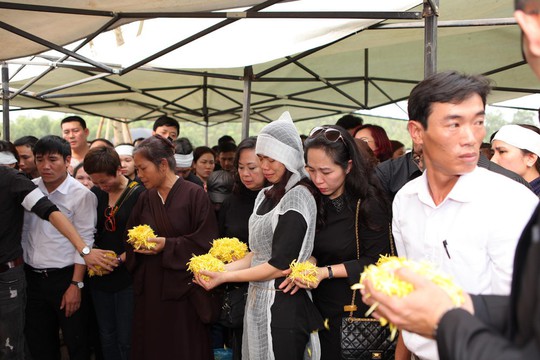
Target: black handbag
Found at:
x=365, y=338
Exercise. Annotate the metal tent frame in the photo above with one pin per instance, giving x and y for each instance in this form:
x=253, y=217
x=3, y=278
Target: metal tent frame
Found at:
x=245, y=109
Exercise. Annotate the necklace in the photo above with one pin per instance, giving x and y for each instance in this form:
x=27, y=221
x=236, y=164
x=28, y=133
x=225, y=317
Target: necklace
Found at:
x=338, y=203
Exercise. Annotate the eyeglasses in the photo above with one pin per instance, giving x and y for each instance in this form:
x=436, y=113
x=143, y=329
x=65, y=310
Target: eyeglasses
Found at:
x=330, y=134
x=110, y=221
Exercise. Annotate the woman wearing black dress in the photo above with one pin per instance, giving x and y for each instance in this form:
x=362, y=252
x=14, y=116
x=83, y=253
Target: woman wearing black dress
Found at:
x=343, y=177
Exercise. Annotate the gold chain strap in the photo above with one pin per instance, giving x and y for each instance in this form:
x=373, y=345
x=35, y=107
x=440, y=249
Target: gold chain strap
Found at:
x=392, y=252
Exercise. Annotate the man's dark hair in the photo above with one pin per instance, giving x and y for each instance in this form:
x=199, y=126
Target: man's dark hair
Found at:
x=182, y=146
x=102, y=160
x=164, y=120
x=52, y=144
x=74, y=118
x=445, y=87
x=225, y=139
x=350, y=121
x=29, y=141
x=227, y=147
x=137, y=140
x=103, y=140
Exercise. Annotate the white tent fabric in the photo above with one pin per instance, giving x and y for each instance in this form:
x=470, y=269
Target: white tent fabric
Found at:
x=64, y=28
x=357, y=66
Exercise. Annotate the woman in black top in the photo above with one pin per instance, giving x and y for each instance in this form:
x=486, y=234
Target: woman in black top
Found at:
x=345, y=179
x=112, y=293
x=233, y=222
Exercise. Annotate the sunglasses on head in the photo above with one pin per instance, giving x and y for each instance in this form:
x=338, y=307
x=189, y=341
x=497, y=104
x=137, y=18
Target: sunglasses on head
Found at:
x=330, y=134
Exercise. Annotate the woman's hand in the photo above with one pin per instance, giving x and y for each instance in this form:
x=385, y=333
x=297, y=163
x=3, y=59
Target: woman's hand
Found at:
x=214, y=279
x=160, y=244
x=294, y=285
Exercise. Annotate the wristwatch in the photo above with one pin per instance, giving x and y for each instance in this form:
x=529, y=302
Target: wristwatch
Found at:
x=85, y=251
x=78, y=284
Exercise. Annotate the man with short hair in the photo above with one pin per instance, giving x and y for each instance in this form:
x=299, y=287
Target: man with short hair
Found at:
x=226, y=156
x=436, y=216
x=502, y=327
x=75, y=132
x=350, y=122
x=167, y=127
x=25, y=148
x=54, y=268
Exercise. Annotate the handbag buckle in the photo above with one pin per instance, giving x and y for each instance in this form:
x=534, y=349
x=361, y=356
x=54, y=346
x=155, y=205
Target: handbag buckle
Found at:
x=376, y=355
x=349, y=308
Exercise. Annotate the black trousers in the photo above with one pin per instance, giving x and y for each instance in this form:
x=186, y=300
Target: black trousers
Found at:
x=44, y=317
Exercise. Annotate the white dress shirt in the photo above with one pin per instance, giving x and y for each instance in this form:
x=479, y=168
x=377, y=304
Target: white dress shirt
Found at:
x=43, y=245
x=471, y=235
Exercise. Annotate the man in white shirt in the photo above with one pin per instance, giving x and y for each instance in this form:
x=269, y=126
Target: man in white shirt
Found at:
x=464, y=219
x=54, y=268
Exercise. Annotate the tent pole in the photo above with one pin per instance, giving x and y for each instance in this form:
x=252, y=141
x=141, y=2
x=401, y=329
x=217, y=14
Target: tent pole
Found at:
x=205, y=108
x=430, y=36
x=5, y=100
x=246, y=110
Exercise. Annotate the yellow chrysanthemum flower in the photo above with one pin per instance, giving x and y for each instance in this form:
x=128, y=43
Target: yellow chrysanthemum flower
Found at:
x=99, y=270
x=139, y=235
x=205, y=262
x=228, y=249
x=382, y=276
x=304, y=271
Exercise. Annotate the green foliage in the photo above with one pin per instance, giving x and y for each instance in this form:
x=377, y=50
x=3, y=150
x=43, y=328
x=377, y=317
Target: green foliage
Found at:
x=396, y=129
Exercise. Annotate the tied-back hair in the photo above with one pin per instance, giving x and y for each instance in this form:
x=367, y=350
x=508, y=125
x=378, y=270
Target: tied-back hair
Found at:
x=155, y=148
x=276, y=192
x=361, y=183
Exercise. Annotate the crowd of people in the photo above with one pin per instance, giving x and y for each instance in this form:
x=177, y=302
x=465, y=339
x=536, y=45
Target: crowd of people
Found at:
x=340, y=198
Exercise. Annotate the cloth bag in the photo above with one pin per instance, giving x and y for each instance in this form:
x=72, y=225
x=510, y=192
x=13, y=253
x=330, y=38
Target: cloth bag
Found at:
x=365, y=338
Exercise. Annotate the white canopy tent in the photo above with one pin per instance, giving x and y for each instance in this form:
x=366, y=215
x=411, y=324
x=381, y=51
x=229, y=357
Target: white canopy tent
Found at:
x=314, y=58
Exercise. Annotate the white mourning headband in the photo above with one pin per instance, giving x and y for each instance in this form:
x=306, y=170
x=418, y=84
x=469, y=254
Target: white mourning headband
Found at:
x=124, y=150
x=520, y=137
x=7, y=158
x=183, y=161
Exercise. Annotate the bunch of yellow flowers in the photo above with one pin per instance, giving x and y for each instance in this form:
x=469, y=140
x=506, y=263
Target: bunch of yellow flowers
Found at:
x=228, y=249
x=139, y=235
x=304, y=271
x=205, y=262
x=382, y=276
x=99, y=270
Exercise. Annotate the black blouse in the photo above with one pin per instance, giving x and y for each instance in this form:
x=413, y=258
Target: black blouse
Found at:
x=113, y=240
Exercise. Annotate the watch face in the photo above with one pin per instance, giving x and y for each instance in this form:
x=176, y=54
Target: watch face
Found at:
x=80, y=285
x=86, y=250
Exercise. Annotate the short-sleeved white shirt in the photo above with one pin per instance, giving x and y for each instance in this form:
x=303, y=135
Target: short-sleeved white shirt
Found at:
x=480, y=221
x=43, y=245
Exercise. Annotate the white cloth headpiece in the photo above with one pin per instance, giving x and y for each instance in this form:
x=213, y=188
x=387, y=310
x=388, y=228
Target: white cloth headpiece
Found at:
x=280, y=141
x=520, y=137
x=124, y=150
x=184, y=161
x=7, y=158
